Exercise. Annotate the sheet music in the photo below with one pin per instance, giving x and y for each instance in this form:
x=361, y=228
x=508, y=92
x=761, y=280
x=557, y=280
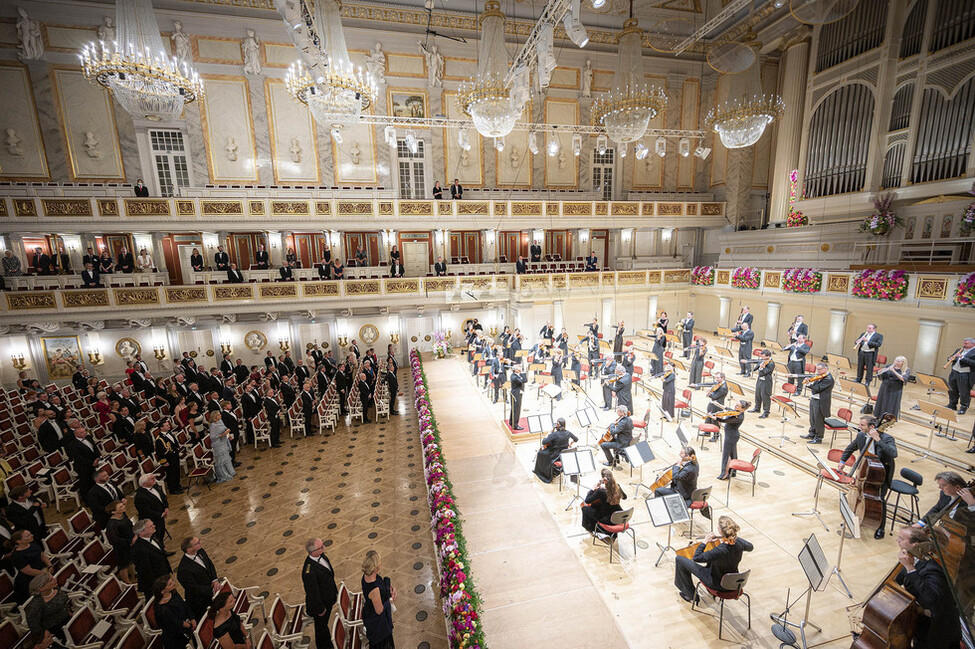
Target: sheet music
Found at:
x=552, y=390
x=814, y=562
x=587, y=464
x=667, y=510
x=680, y=435
x=849, y=516
x=638, y=454
x=659, y=514
x=570, y=462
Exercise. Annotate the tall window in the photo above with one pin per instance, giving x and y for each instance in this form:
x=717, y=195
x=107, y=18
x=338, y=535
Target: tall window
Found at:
x=411, y=170
x=602, y=173
x=171, y=164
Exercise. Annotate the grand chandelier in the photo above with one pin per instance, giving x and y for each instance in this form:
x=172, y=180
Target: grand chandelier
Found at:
x=485, y=98
x=146, y=82
x=336, y=98
x=626, y=110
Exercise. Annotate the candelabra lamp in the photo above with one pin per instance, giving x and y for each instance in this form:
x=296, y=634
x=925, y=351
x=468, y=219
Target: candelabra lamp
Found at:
x=19, y=362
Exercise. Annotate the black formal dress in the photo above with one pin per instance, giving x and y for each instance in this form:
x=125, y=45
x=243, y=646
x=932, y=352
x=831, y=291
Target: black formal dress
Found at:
x=379, y=626
x=669, y=396
x=683, y=482
x=552, y=446
x=697, y=364
x=729, y=450
x=318, y=579
x=710, y=567
x=120, y=533
x=597, y=509
x=196, y=261
x=890, y=393
x=171, y=617
x=20, y=559
x=196, y=575
x=657, y=357
x=150, y=562
x=687, y=336
x=618, y=342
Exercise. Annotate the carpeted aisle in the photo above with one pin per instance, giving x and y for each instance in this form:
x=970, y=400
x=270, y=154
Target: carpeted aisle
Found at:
x=535, y=591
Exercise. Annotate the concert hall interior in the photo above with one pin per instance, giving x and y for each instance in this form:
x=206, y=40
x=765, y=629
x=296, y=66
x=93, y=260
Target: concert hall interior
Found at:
x=483, y=324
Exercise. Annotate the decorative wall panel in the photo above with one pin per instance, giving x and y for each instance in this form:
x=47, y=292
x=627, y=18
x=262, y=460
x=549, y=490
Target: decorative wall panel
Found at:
x=87, y=120
x=294, y=156
x=561, y=170
x=649, y=172
x=355, y=158
x=228, y=130
x=514, y=164
x=23, y=154
x=467, y=166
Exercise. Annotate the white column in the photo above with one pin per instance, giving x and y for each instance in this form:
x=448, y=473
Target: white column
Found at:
x=607, y=316
x=772, y=320
x=928, y=342
x=837, y=331
x=788, y=136
x=723, y=310
x=651, y=311
x=557, y=320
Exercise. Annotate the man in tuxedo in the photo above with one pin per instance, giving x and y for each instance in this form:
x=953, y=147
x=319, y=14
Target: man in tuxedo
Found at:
x=324, y=269
x=262, y=259
x=687, y=333
x=229, y=419
x=89, y=257
x=234, y=276
x=273, y=410
x=744, y=318
x=27, y=513
x=318, y=579
x=797, y=361
x=41, y=262
x=125, y=262
x=820, y=397
x=100, y=496
x=221, y=259
x=365, y=396
x=518, y=380
x=622, y=387
x=250, y=405
x=798, y=328
x=440, y=268
x=84, y=457
x=197, y=575
x=456, y=191
x=151, y=503
x=397, y=269
x=79, y=380
x=536, y=252
x=592, y=263
x=90, y=277
x=880, y=444
x=61, y=262
x=286, y=273
x=241, y=372
x=150, y=559
x=938, y=627
x=961, y=378
x=622, y=434
x=141, y=191
x=50, y=435
x=868, y=344
x=521, y=267
x=226, y=366
x=745, y=336
x=124, y=426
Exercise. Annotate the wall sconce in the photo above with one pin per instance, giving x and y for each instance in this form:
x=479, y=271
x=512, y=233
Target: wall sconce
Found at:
x=394, y=337
x=493, y=330
x=284, y=344
x=159, y=352
x=343, y=341
x=19, y=362
x=449, y=334
x=226, y=348
x=95, y=357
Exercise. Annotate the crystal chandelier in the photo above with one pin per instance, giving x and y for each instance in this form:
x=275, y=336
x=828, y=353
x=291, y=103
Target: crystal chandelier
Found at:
x=146, y=82
x=485, y=98
x=337, y=98
x=626, y=110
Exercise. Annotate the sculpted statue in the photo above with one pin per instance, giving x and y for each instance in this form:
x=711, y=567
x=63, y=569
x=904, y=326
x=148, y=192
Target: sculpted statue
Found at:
x=29, y=35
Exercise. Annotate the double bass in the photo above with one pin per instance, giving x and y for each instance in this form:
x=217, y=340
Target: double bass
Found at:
x=868, y=476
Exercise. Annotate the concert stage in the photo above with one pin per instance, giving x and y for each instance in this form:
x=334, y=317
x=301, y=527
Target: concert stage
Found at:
x=543, y=581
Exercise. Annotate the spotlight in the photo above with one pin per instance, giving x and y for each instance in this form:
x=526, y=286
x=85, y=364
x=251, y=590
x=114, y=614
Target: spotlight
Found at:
x=546, y=57
x=601, y=143
x=577, y=144
x=640, y=151
x=464, y=139
x=554, y=146
x=533, y=143
x=411, y=142
x=702, y=152
x=684, y=147
x=661, y=146
x=337, y=136
x=389, y=134
x=499, y=143
x=623, y=150
x=574, y=28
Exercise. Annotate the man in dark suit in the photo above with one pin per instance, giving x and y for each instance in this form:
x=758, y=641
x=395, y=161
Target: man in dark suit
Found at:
x=151, y=503
x=318, y=579
x=27, y=513
x=938, y=627
x=745, y=317
x=307, y=406
x=536, y=252
x=952, y=487
x=622, y=434
x=141, y=190
x=880, y=444
x=365, y=396
x=90, y=257
x=687, y=333
x=234, y=276
x=90, y=277
x=744, y=336
x=50, y=434
x=84, y=457
x=326, y=255
x=226, y=366
x=796, y=363
x=456, y=191
x=820, y=403
x=592, y=263
x=125, y=262
x=324, y=270
x=41, y=262
x=61, y=262
x=397, y=269
x=241, y=372
x=763, y=384
x=518, y=380
x=262, y=259
x=622, y=387
x=149, y=557
x=717, y=563
x=273, y=410
x=868, y=344
x=221, y=259
x=521, y=266
x=798, y=328
x=684, y=480
x=197, y=575
x=99, y=497
x=962, y=376
x=79, y=380
x=286, y=273
x=124, y=426
x=440, y=268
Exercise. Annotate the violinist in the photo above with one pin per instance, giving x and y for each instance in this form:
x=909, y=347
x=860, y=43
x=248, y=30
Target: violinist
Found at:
x=820, y=396
x=716, y=396
x=797, y=361
x=552, y=446
x=798, y=328
x=618, y=341
x=607, y=377
x=732, y=420
x=622, y=387
x=686, y=329
x=629, y=358
x=620, y=435
x=893, y=378
x=763, y=384
x=717, y=563
x=602, y=502
x=575, y=365
x=745, y=336
x=547, y=332
x=514, y=345
x=659, y=346
x=592, y=343
x=876, y=443
x=593, y=326
x=503, y=340
x=558, y=362
x=699, y=352
x=938, y=625
x=562, y=342
x=684, y=481
x=663, y=321
x=669, y=395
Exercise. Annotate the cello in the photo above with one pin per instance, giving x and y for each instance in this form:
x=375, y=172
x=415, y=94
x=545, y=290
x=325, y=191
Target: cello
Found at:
x=868, y=474
x=889, y=616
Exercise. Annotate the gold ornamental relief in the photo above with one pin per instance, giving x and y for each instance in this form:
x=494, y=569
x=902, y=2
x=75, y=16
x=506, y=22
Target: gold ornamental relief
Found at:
x=558, y=281
x=402, y=286
x=712, y=209
x=576, y=209
x=500, y=208
x=146, y=207
x=607, y=279
x=647, y=209
x=691, y=209
x=185, y=295
x=107, y=207
x=25, y=207
x=472, y=207
x=600, y=209
x=931, y=288
x=135, y=296
x=350, y=208
x=319, y=289
x=289, y=208
x=221, y=208
x=682, y=276
x=626, y=209
x=369, y=333
x=362, y=287
x=772, y=280
x=654, y=277
x=278, y=291
x=31, y=300
x=3, y=207
x=670, y=209
x=256, y=208
x=66, y=207
x=724, y=277
x=416, y=208
x=478, y=282
x=225, y=293
x=534, y=281
x=85, y=299
x=551, y=209
x=526, y=208
x=185, y=208
x=587, y=279
x=838, y=283
x=323, y=208
x=631, y=278
x=386, y=209
x=439, y=284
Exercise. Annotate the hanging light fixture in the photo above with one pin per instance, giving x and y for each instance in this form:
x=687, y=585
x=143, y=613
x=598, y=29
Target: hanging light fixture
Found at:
x=533, y=143
x=623, y=150
x=576, y=144
x=602, y=142
x=661, y=146
x=389, y=134
x=337, y=98
x=626, y=110
x=554, y=146
x=499, y=143
x=146, y=82
x=572, y=22
x=640, y=151
x=412, y=142
x=464, y=139
x=684, y=147
x=485, y=98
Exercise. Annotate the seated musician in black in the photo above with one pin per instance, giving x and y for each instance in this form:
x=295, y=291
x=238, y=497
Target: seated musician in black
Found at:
x=884, y=447
x=684, y=480
x=552, y=446
x=622, y=435
x=602, y=502
x=717, y=563
x=938, y=625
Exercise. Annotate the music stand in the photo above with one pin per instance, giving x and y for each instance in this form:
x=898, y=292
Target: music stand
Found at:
x=852, y=524
x=587, y=418
x=724, y=332
x=853, y=388
x=679, y=364
x=553, y=392
x=575, y=462
x=774, y=345
x=816, y=567
x=680, y=436
x=637, y=455
x=666, y=512
x=539, y=424
x=485, y=371
x=937, y=412
x=839, y=361
x=735, y=388
x=662, y=415
x=791, y=407
x=934, y=384
x=819, y=484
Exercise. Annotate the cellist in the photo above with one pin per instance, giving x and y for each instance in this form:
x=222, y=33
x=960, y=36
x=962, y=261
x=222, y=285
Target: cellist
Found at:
x=938, y=625
x=684, y=479
x=875, y=443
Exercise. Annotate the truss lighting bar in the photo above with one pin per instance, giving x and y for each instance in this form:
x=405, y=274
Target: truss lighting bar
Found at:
x=552, y=14
x=723, y=16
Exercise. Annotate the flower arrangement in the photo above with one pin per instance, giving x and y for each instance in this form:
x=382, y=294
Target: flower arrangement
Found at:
x=965, y=293
x=461, y=602
x=441, y=346
x=883, y=220
x=968, y=219
x=702, y=275
x=888, y=285
x=746, y=277
x=795, y=219
x=802, y=280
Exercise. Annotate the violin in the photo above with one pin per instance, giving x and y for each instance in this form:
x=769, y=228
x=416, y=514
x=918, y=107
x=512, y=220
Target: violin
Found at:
x=816, y=377
x=724, y=414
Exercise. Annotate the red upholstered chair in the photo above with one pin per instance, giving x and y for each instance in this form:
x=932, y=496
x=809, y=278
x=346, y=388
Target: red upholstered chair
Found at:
x=684, y=403
x=699, y=502
x=641, y=424
x=790, y=391
x=832, y=459
x=747, y=467
x=708, y=366
x=619, y=524
x=704, y=431
x=840, y=422
x=732, y=588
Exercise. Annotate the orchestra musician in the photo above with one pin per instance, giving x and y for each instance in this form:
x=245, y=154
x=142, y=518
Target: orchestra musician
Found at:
x=699, y=352
x=518, y=380
x=592, y=342
x=716, y=397
x=876, y=443
x=961, y=378
x=938, y=625
x=618, y=341
x=663, y=321
x=498, y=372
x=558, y=362
x=893, y=378
x=602, y=502
x=554, y=443
x=562, y=342
x=684, y=480
x=659, y=347
x=503, y=339
x=763, y=384
x=669, y=395
x=957, y=503
x=575, y=365
x=514, y=345
x=797, y=360
x=629, y=358
x=622, y=386
x=798, y=328
x=745, y=317
x=820, y=397
x=745, y=336
x=867, y=346
x=547, y=332
x=621, y=434
x=593, y=326
x=732, y=420
x=686, y=329
x=606, y=378
x=717, y=563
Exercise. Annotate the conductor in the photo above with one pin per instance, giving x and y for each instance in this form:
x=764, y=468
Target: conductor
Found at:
x=518, y=380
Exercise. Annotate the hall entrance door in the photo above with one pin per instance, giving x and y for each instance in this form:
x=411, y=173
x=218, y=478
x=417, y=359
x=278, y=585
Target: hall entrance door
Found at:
x=416, y=258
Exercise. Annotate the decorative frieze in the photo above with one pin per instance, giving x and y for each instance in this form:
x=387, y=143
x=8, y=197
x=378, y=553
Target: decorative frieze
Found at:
x=32, y=300
x=66, y=206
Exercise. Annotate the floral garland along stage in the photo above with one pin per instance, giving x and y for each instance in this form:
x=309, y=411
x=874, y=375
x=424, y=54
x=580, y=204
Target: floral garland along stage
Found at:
x=461, y=602
x=802, y=280
x=890, y=285
x=746, y=277
x=702, y=275
x=965, y=293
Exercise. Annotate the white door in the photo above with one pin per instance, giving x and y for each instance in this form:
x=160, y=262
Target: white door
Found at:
x=185, y=267
x=418, y=329
x=416, y=258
